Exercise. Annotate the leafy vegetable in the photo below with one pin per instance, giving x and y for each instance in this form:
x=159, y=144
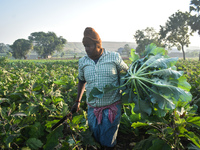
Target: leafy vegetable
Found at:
x=152, y=83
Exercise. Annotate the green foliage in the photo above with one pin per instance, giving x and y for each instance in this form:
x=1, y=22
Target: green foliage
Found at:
x=35, y=95
x=20, y=48
x=3, y=60
x=127, y=50
x=52, y=138
x=194, y=21
x=62, y=54
x=154, y=84
x=178, y=129
x=145, y=37
x=192, y=73
x=133, y=57
x=176, y=31
x=34, y=143
x=45, y=44
x=4, y=48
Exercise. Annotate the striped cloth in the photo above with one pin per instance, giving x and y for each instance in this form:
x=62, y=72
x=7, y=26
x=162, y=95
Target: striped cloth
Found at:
x=105, y=71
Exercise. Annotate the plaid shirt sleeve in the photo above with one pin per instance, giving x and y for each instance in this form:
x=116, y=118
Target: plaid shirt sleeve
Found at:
x=121, y=65
x=80, y=69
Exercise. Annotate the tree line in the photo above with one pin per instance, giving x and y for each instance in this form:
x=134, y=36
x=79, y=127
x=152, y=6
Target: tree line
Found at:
x=175, y=33
x=45, y=44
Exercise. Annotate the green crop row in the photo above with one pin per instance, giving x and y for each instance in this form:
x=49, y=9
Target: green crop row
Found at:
x=36, y=94
x=191, y=70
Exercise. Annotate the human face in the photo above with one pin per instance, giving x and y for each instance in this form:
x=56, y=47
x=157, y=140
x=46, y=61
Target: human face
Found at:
x=92, y=51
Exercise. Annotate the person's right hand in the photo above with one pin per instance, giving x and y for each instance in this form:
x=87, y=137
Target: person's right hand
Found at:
x=75, y=107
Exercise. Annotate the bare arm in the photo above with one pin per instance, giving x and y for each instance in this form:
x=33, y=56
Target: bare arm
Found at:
x=81, y=89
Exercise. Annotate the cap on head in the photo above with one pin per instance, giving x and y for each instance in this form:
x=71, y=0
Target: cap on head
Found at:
x=91, y=34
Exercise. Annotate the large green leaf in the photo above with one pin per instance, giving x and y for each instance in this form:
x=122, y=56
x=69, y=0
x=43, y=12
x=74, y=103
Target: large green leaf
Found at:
x=36, y=130
x=134, y=56
x=34, y=143
x=144, y=144
x=95, y=93
x=10, y=139
x=159, y=61
x=158, y=144
x=19, y=114
x=148, y=63
x=152, y=49
x=194, y=121
x=87, y=138
x=162, y=101
x=192, y=147
x=169, y=91
x=143, y=106
x=167, y=73
x=60, y=82
x=53, y=138
x=77, y=119
x=183, y=84
x=3, y=112
x=192, y=137
x=139, y=124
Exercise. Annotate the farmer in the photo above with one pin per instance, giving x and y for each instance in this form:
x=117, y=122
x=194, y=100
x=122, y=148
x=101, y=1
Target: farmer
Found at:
x=98, y=69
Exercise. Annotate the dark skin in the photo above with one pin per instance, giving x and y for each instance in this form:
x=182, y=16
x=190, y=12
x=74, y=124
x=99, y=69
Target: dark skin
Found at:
x=94, y=53
x=92, y=50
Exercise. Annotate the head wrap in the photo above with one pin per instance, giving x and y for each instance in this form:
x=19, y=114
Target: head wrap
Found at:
x=91, y=34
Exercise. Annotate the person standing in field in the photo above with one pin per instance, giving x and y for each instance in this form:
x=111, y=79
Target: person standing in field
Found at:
x=98, y=69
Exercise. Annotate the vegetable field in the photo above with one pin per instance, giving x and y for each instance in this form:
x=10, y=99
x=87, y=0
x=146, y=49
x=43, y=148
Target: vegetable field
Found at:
x=36, y=94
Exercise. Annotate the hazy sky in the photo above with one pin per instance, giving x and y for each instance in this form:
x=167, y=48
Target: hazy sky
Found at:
x=114, y=20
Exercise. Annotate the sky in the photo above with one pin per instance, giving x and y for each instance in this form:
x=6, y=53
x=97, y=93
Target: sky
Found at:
x=114, y=20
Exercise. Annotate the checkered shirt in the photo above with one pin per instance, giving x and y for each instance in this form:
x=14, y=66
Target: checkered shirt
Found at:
x=105, y=71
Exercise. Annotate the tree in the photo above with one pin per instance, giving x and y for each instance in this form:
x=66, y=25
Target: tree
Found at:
x=145, y=37
x=176, y=31
x=45, y=44
x=195, y=19
x=20, y=48
x=9, y=54
x=4, y=48
x=62, y=54
x=127, y=50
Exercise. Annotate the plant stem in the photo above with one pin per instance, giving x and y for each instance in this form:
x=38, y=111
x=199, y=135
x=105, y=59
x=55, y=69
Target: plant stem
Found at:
x=137, y=93
x=139, y=82
x=141, y=68
x=157, y=93
x=160, y=85
x=130, y=68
